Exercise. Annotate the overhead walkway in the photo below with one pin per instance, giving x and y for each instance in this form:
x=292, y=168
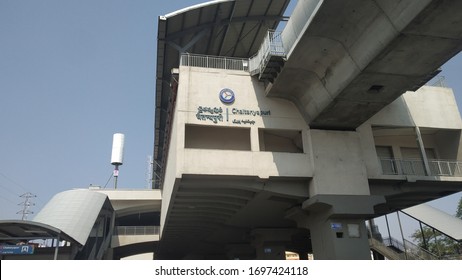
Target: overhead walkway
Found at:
x=433, y=218
x=346, y=60
x=134, y=206
x=436, y=219
x=134, y=240
x=393, y=249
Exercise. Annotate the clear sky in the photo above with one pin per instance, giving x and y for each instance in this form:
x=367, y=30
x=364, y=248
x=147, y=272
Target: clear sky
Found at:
x=73, y=73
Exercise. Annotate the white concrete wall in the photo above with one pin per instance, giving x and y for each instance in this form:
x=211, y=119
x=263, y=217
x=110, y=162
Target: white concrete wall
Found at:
x=339, y=167
x=433, y=109
x=175, y=156
x=124, y=240
x=200, y=87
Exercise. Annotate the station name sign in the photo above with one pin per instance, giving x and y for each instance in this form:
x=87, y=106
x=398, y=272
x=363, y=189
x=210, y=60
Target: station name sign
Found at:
x=16, y=249
x=234, y=115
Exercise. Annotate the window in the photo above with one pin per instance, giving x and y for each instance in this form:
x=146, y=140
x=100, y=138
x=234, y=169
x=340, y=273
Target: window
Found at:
x=216, y=137
x=279, y=140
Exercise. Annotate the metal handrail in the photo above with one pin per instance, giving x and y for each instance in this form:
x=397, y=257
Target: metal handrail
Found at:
x=413, y=251
x=438, y=167
x=439, y=81
x=418, y=253
x=216, y=62
x=272, y=45
x=137, y=230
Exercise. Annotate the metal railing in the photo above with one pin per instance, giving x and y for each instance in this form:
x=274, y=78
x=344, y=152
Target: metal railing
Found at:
x=416, y=167
x=418, y=253
x=216, y=62
x=406, y=250
x=271, y=46
x=137, y=230
x=439, y=81
x=384, y=250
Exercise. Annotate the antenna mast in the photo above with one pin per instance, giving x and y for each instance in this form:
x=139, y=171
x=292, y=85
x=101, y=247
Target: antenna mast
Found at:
x=117, y=156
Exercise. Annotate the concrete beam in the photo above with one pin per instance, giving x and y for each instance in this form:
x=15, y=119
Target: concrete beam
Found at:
x=356, y=57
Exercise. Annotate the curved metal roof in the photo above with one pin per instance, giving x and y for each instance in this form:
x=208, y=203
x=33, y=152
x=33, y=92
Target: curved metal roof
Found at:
x=232, y=28
x=73, y=212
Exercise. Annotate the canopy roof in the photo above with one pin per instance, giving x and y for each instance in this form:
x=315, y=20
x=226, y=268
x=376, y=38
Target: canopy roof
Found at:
x=19, y=230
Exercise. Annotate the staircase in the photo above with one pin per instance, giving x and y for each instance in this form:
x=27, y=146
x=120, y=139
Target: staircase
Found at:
x=393, y=249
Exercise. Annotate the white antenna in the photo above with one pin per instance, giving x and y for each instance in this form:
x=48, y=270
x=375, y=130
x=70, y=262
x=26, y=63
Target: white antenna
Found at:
x=117, y=156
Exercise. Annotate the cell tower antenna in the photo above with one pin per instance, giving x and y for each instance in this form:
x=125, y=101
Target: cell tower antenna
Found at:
x=26, y=205
x=117, y=156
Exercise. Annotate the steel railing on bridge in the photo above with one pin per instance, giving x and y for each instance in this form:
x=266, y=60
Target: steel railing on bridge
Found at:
x=272, y=45
x=416, y=167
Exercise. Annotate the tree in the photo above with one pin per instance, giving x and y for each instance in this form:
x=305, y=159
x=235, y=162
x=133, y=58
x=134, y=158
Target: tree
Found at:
x=459, y=209
x=437, y=243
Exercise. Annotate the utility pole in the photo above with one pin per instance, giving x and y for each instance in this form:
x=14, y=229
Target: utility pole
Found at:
x=26, y=205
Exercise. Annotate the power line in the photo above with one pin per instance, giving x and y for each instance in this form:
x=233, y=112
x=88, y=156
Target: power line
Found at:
x=14, y=182
x=9, y=190
x=24, y=190
x=6, y=199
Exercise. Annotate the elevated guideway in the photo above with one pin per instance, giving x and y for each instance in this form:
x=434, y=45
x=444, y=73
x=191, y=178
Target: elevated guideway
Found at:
x=130, y=201
x=141, y=207
x=346, y=60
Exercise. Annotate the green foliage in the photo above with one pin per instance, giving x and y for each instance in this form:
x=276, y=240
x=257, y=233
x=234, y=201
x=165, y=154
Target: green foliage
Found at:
x=459, y=209
x=436, y=242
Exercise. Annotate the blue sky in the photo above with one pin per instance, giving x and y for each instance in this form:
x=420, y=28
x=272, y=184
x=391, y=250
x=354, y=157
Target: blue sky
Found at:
x=73, y=73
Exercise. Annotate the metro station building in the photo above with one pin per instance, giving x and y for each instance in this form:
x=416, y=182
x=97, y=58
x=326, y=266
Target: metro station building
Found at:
x=276, y=134
x=272, y=141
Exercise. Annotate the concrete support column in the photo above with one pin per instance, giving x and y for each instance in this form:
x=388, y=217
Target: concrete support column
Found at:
x=339, y=239
x=270, y=244
x=271, y=251
x=337, y=225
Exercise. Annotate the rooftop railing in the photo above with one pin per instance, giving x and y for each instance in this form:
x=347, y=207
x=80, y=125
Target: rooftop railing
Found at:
x=271, y=46
x=216, y=62
x=416, y=167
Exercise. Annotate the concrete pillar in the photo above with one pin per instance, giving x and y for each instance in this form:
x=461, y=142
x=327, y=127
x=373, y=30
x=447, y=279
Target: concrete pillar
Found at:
x=337, y=225
x=339, y=239
x=270, y=244
x=269, y=251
